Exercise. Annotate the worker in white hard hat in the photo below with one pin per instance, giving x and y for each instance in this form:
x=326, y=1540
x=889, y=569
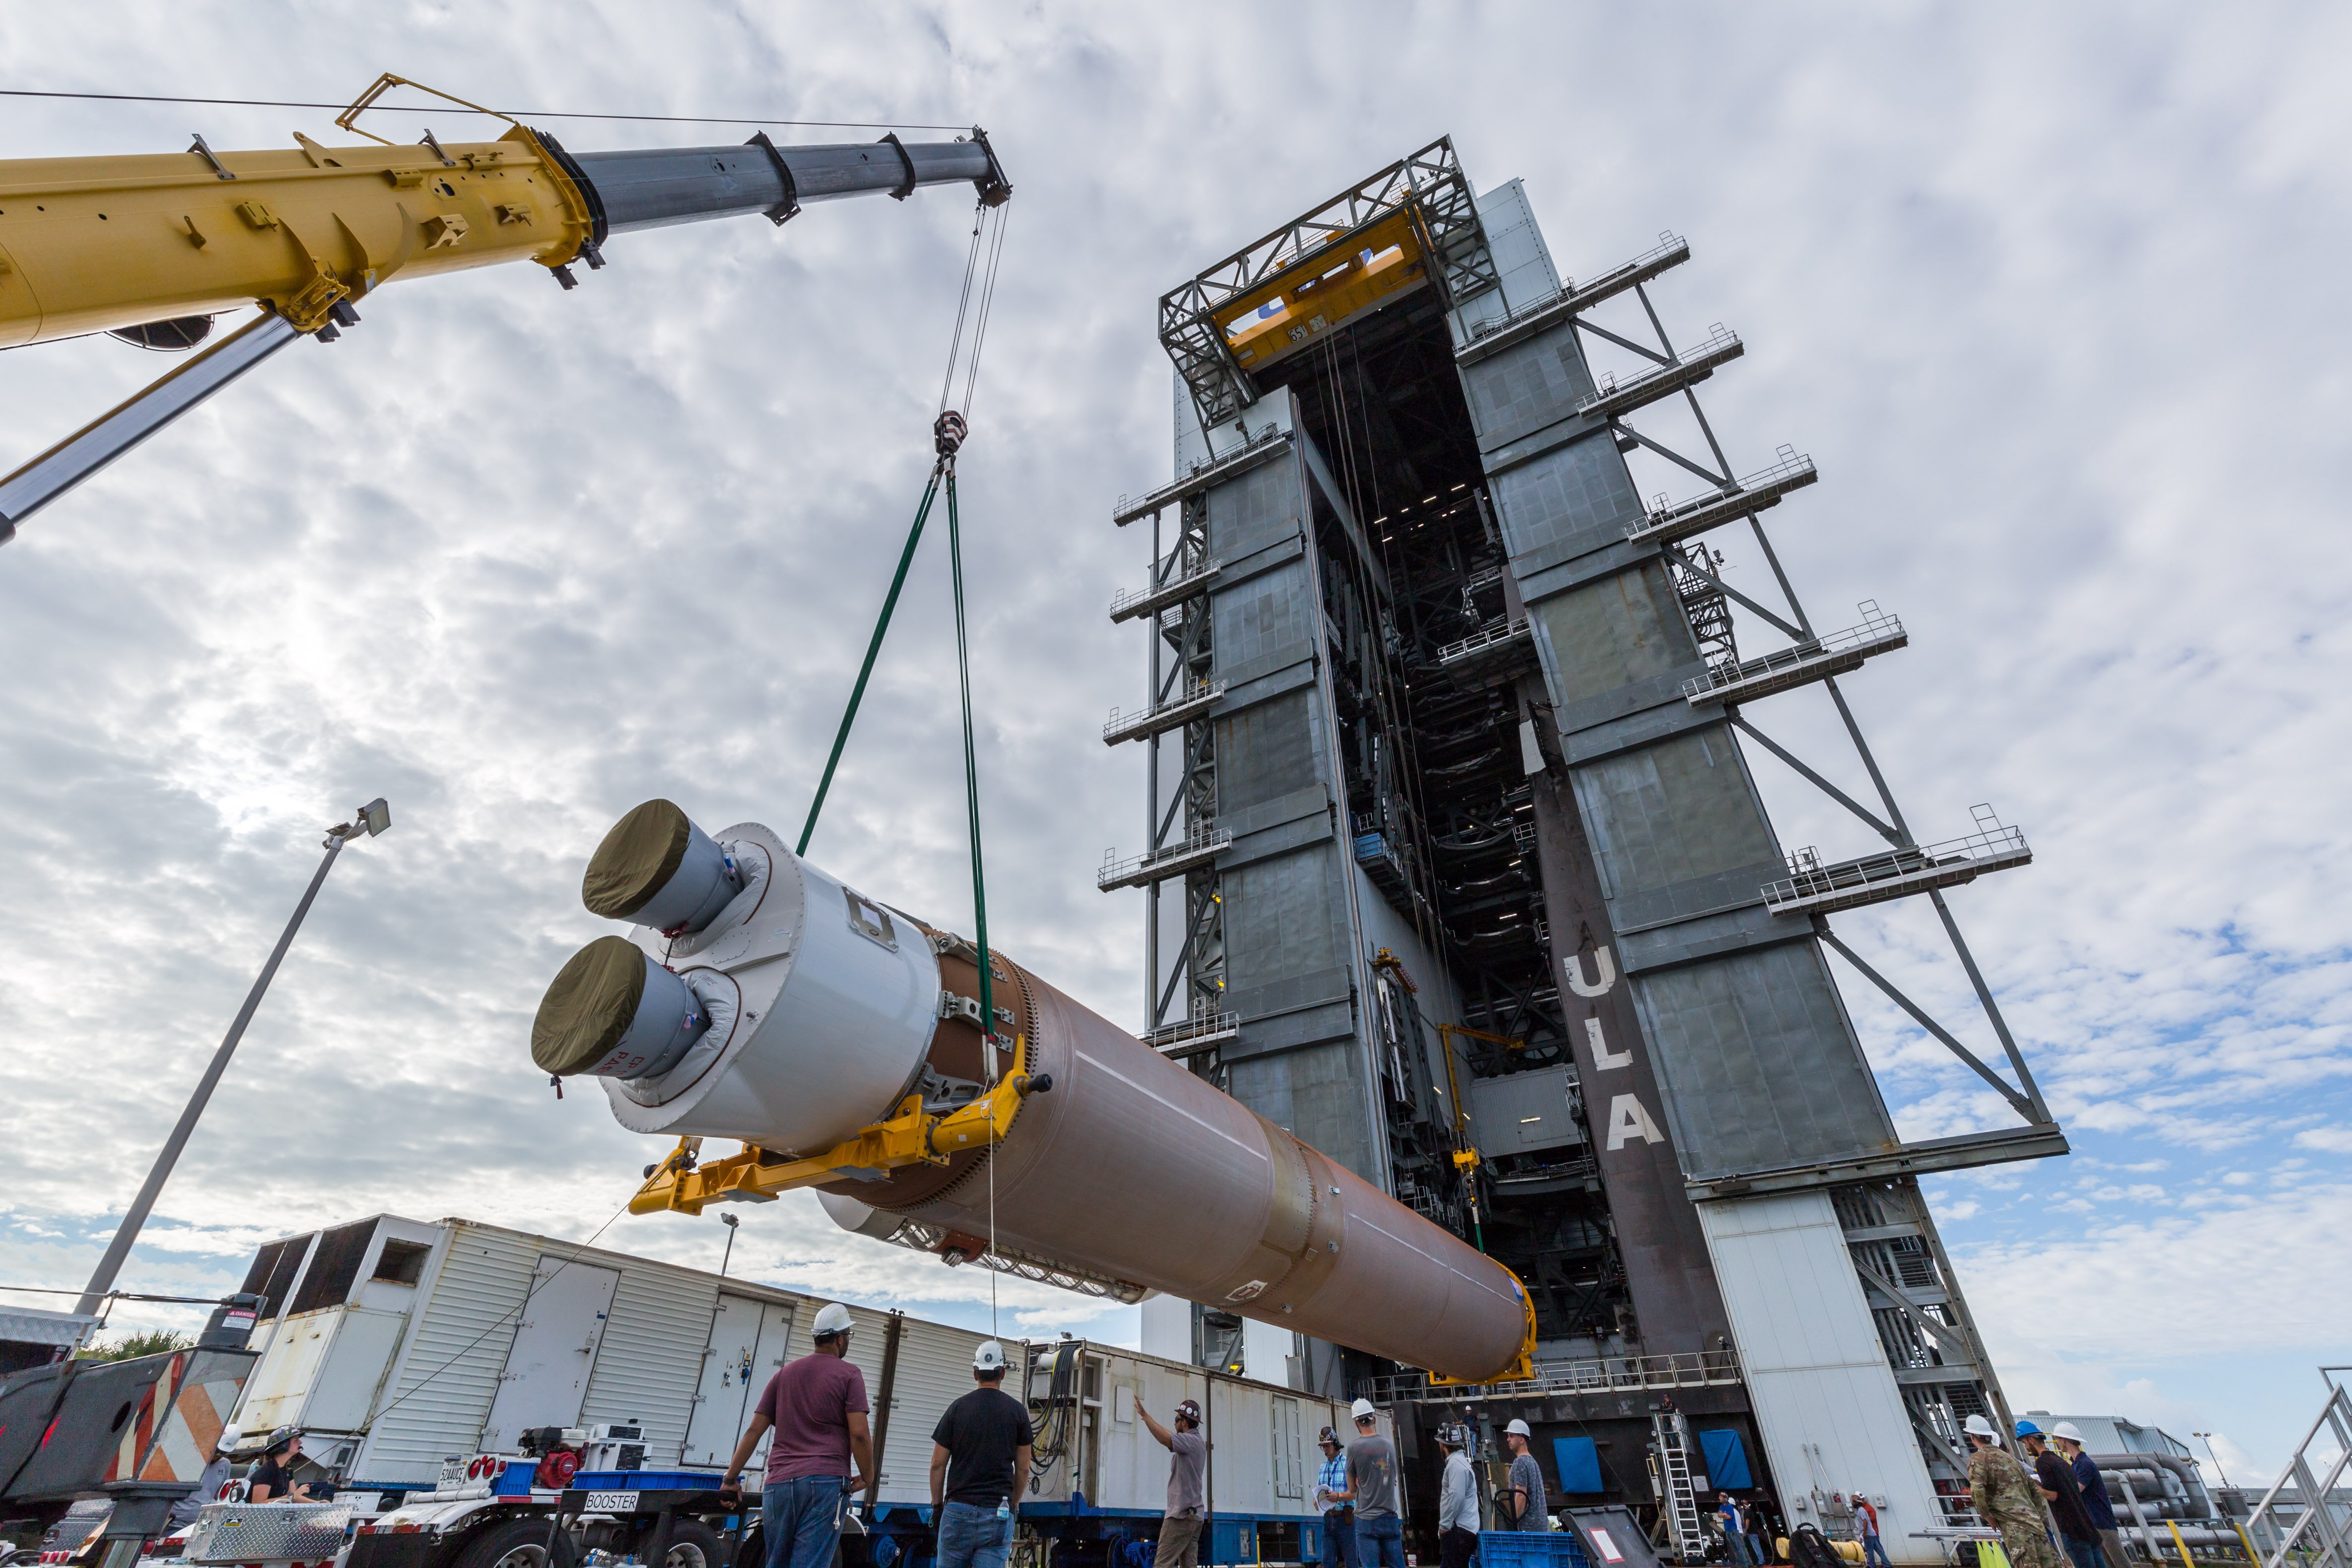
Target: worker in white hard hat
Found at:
x=2005, y=1497
x=1457, y=1501
x=817, y=1408
x=1331, y=1496
x=215, y=1476
x=1188, y=1468
x=980, y=1463
x=1373, y=1487
x=1865, y=1526
x=2097, y=1503
x=1526, y=1482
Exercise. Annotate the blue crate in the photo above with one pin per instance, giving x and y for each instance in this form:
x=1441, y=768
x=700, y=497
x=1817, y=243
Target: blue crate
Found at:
x=1528, y=1549
x=651, y=1481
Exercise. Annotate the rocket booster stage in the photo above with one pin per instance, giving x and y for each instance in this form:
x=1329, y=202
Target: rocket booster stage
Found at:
x=759, y=999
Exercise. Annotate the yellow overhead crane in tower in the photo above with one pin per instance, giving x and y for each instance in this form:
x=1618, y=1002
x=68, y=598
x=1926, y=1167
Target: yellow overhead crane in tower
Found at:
x=151, y=247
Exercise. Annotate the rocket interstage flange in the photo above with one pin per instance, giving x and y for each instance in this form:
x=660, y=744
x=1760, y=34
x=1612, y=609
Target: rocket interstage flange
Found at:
x=1130, y=1169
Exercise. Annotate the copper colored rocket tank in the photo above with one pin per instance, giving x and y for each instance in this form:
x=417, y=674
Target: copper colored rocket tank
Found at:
x=1130, y=1168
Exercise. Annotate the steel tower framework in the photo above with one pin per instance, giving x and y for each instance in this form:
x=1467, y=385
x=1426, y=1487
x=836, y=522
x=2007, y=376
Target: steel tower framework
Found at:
x=1446, y=731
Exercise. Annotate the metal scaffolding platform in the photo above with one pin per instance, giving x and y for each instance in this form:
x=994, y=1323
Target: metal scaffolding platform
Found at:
x=1159, y=596
x=1188, y=1037
x=1610, y=1374
x=1813, y=887
x=1486, y=643
x=1614, y=397
x=1159, y=864
x=1204, y=477
x=1170, y=715
x=1754, y=493
x=1493, y=337
x=1816, y=659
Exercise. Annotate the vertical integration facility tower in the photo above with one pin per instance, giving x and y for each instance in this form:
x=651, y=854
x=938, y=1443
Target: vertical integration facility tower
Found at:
x=1456, y=868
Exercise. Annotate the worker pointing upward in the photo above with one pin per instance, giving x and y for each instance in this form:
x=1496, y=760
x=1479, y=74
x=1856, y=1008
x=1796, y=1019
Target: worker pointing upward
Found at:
x=1188, y=1466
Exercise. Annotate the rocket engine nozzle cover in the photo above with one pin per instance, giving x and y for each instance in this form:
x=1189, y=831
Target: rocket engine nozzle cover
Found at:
x=829, y=1009
x=657, y=868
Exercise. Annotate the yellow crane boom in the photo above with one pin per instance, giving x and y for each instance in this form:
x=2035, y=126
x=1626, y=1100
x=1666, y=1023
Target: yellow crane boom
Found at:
x=152, y=246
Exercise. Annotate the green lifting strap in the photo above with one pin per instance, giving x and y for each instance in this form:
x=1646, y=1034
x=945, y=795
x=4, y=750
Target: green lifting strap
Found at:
x=970, y=780
x=873, y=651
x=950, y=433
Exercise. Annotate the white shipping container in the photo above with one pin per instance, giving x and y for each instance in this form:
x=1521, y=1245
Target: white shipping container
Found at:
x=396, y=1344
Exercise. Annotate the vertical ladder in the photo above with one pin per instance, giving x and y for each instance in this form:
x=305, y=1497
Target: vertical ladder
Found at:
x=1681, y=1502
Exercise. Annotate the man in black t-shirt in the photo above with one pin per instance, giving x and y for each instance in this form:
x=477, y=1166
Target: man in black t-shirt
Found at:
x=980, y=1463
x=2056, y=1480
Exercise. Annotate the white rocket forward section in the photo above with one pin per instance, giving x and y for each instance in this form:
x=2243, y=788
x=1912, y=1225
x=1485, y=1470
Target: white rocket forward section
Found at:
x=827, y=1010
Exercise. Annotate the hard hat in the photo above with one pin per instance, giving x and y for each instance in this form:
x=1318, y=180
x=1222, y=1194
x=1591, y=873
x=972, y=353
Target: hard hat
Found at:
x=1328, y=1438
x=279, y=1438
x=988, y=1357
x=1454, y=1435
x=1361, y=1410
x=832, y=1318
x=1978, y=1427
x=2067, y=1430
x=1189, y=1411
x=231, y=1435
x=1517, y=1428
x=2028, y=1429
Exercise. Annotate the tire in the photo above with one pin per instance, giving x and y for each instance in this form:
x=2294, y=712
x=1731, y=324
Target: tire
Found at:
x=517, y=1543
x=692, y=1544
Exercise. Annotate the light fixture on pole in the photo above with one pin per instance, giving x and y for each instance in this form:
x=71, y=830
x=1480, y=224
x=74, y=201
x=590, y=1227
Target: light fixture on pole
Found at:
x=730, y=1222
x=2215, y=1456
x=370, y=819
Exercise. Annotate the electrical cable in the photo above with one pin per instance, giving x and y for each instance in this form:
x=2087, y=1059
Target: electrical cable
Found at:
x=517, y=113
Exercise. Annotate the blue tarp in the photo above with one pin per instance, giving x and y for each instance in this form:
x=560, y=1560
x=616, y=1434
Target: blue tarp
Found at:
x=1579, y=1464
x=1726, y=1461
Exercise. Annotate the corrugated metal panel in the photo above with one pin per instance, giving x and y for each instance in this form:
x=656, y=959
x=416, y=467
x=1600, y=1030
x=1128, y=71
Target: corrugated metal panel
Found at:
x=651, y=1359
x=456, y=1349
x=934, y=1371
x=1825, y=1399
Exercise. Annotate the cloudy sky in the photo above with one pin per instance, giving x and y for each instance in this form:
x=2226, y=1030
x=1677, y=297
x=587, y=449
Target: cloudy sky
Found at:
x=2053, y=296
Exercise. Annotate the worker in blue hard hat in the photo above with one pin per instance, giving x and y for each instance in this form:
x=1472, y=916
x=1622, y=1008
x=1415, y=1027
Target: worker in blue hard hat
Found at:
x=2006, y=1498
x=2055, y=1478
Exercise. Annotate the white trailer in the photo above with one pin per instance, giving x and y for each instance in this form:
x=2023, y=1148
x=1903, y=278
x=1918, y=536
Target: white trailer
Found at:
x=415, y=1356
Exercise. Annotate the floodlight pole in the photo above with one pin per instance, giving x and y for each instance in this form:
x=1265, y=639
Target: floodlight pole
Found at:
x=371, y=819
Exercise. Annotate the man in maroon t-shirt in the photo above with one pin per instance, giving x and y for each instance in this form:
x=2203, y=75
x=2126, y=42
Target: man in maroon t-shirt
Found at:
x=817, y=1406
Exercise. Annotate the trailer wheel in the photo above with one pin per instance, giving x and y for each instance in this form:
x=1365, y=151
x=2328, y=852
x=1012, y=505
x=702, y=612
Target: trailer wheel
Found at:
x=692, y=1544
x=518, y=1544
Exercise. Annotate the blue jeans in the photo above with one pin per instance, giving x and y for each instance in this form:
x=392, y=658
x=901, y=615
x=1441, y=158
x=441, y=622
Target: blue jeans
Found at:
x=2086, y=1553
x=802, y=1520
x=1338, y=1538
x=972, y=1536
x=1735, y=1549
x=1873, y=1551
x=1379, y=1541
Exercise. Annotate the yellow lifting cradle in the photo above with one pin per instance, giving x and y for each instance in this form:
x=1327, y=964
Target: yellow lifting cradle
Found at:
x=911, y=1136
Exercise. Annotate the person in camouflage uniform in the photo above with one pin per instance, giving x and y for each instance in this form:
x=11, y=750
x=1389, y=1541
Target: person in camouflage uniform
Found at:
x=2005, y=1497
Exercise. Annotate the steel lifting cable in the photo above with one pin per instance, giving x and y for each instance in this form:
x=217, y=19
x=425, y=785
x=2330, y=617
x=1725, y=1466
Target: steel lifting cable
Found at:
x=948, y=433
x=946, y=438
